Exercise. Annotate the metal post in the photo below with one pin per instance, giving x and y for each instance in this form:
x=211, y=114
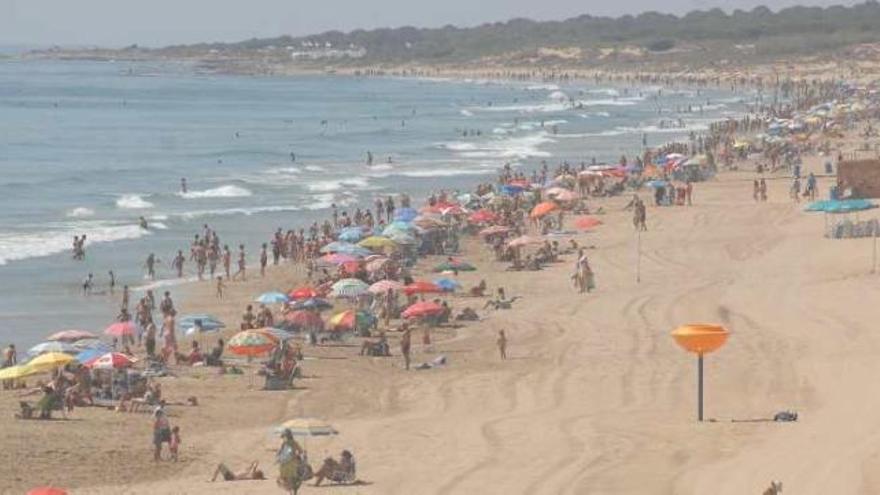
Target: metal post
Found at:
x=700, y=387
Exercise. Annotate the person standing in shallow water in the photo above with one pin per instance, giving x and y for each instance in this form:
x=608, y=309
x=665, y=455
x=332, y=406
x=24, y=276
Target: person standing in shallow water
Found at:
x=183, y=188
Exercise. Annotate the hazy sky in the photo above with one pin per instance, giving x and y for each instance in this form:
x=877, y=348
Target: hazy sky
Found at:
x=161, y=22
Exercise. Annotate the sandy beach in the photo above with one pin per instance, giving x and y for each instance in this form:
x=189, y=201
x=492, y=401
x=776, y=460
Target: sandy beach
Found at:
x=595, y=398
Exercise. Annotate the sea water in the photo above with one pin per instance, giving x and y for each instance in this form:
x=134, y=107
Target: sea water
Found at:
x=89, y=147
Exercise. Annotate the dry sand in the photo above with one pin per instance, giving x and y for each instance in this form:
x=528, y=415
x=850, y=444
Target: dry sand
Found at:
x=596, y=398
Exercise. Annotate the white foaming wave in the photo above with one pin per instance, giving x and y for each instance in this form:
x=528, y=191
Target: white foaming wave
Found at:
x=228, y=191
x=555, y=122
x=80, y=212
x=382, y=166
x=466, y=112
x=558, y=96
x=621, y=102
x=441, y=172
x=58, y=238
x=133, y=202
x=650, y=129
x=158, y=226
x=603, y=91
x=542, y=87
x=246, y=211
x=508, y=148
x=594, y=114
x=337, y=184
x=537, y=108
x=315, y=168
x=166, y=282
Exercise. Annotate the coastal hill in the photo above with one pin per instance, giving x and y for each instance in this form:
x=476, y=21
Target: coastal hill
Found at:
x=697, y=39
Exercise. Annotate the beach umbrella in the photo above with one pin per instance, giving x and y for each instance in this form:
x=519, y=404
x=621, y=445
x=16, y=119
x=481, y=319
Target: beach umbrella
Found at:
x=542, y=209
x=382, y=286
x=447, y=284
x=422, y=309
x=312, y=303
x=71, y=335
x=351, y=234
x=307, y=427
x=50, y=360
x=16, y=372
x=200, y=323
x=656, y=183
x=483, y=216
x=304, y=319
x=90, y=354
x=335, y=247
x=494, y=230
x=428, y=223
x=348, y=320
x=398, y=228
x=405, y=214
x=46, y=490
x=86, y=344
x=422, y=287
x=700, y=339
x=376, y=264
x=564, y=195
x=111, y=360
x=524, y=240
x=402, y=238
x=337, y=259
x=120, y=329
x=455, y=266
x=273, y=297
x=251, y=343
x=511, y=189
x=55, y=346
x=277, y=334
x=349, y=287
x=453, y=209
x=377, y=242
x=303, y=293
x=586, y=223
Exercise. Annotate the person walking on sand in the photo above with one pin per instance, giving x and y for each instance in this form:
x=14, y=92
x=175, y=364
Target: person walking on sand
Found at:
x=763, y=190
x=264, y=260
x=242, y=264
x=161, y=432
x=502, y=344
x=405, y=345
x=220, y=287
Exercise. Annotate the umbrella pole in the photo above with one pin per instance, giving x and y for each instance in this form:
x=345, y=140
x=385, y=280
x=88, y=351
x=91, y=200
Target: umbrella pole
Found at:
x=700, y=387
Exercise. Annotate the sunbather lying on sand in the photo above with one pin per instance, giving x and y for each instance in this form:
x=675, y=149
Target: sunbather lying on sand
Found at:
x=251, y=473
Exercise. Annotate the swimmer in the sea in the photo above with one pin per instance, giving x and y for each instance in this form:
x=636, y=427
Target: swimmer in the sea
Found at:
x=183, y=185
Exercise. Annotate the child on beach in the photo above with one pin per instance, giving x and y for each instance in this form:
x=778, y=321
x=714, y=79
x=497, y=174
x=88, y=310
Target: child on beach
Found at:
x=502, y=344
x=174, y=444
x=220, y=287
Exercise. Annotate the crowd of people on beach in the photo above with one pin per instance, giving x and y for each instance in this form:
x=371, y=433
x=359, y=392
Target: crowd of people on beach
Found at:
x=523, y=218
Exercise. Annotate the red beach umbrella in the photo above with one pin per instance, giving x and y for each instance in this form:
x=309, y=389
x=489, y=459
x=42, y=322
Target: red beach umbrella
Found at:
x=422, y=287
x=586, y=223
x=303, y=293
x=422, y=309
x=120, y=328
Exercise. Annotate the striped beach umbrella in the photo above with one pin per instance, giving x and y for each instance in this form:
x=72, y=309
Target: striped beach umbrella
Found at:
x=383, y=286
x=349, y=287
x=251, y=343
x=111, y=360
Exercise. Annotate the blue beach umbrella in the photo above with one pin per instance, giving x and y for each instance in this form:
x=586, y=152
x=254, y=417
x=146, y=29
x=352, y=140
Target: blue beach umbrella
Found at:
x=511, y=190
x=89, y=354
x=313, y=303
x=52, y=346
x=447, y=284
x=351, y=234
x=406, y=214
x=272, y=297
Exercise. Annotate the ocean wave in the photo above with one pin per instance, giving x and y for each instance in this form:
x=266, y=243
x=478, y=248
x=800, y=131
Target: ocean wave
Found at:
x=315, y=168
x=133, y=202
x=542, y=87
x=443, y=172
x=558, y=96
x=589, y=115
x=80, y=212
x=535, y=108
x=337, y=184
x=503, y=148
x=466, y=112
x=227, y=191
x=648, y=129
x=603, y=91
x=619, y=102
x=246, y=211
x=58, y=238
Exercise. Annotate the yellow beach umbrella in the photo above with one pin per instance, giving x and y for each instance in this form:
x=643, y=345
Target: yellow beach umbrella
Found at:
x=377, y=242
x=16, y=372
x=48, y=361
x=700, y=339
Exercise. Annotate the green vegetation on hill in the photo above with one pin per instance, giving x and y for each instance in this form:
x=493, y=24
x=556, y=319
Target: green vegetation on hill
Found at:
x=760, y=32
